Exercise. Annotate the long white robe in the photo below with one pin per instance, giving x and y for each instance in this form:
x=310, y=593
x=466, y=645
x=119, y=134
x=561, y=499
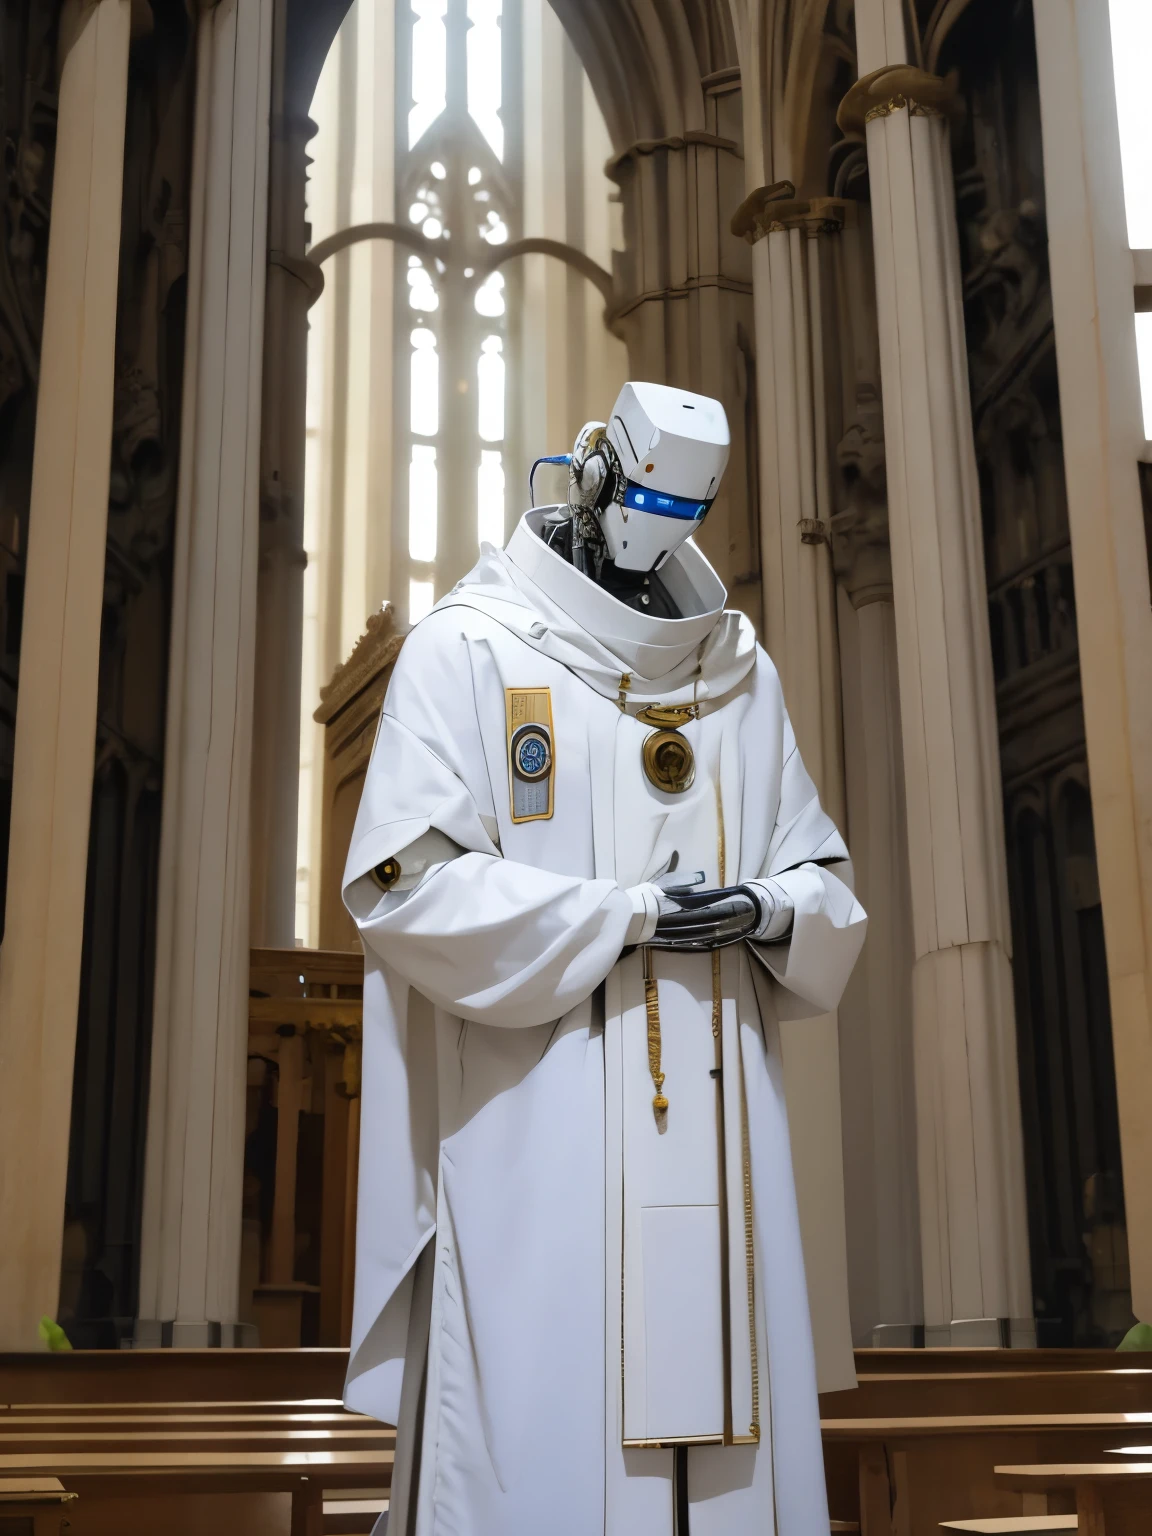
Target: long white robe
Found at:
x=496, y=1087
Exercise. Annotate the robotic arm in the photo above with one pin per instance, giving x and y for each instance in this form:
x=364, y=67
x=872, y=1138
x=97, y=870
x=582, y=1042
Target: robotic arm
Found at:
x=692, y=918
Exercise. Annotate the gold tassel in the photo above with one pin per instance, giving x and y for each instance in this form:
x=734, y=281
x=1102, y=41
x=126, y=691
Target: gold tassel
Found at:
x=652, y=1009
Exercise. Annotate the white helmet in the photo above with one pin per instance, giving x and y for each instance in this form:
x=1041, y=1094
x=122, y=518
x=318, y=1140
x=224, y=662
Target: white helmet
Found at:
x=671, y=447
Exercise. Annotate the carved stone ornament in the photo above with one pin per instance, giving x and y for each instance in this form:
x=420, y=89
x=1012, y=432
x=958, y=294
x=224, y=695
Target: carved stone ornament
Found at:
x=894, y=88
x=861, y=556
x=376, y=648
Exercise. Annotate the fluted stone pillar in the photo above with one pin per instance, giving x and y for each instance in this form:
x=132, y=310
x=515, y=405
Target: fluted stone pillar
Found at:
x=293, y=285
x=876, y=1058
x=190, y=1240
x=876, y=1055
x=973, y=1222
x=799, y=631
x=1103, y=438
x=59, y=657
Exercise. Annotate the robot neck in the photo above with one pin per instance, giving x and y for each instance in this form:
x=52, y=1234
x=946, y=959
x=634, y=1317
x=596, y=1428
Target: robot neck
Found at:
x=646, y=593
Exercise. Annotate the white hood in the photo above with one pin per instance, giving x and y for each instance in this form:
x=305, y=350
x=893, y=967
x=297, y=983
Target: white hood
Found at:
x=536, y=593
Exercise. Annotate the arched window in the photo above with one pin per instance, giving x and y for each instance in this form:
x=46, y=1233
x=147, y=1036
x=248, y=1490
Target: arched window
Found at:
x=458, y=182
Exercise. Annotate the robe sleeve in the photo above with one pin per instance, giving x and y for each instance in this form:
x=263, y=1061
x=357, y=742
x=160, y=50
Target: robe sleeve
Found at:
x=482, y=937
x=807, y=857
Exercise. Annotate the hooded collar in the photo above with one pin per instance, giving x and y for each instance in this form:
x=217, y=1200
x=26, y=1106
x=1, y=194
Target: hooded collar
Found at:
x=537, y=594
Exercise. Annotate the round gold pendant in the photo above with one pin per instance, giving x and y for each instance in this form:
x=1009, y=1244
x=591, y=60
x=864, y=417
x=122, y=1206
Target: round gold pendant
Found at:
x=668, y=762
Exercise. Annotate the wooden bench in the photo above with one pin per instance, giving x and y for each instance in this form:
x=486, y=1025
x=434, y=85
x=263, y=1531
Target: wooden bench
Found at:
x=1013, y=1525
x=887, y=1394
x=173, y=1433
x=36, y=1504
x=183, y=1376
x=352, y=1517
x=940, y=1467
x=292, y=1407
x=305, y=1475
x=1094, y=1484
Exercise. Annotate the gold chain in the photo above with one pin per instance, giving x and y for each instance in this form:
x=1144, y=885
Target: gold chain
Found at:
x=652, y=1009
x=716, y=992
x=750, y=1258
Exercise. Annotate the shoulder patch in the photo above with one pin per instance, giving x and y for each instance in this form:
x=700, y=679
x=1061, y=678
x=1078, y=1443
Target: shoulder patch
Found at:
x=531, y=752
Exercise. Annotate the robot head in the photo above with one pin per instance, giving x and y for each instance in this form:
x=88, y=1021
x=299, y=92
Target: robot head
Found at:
x=671, y=448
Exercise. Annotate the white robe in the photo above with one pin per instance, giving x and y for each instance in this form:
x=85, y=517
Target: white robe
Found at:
x=496, y=1087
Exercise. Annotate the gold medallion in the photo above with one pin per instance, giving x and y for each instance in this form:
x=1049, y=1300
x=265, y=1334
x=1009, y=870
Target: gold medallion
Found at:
x=669, y=762
x=385, y=875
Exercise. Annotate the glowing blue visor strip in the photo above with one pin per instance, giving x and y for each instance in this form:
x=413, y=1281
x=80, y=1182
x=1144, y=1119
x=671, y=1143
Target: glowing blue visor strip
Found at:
x=646, y=500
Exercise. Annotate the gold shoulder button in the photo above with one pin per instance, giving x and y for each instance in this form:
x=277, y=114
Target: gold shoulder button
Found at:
x=385, y=875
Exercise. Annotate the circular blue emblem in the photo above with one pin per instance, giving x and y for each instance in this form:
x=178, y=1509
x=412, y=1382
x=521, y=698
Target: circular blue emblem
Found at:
x=531, y=753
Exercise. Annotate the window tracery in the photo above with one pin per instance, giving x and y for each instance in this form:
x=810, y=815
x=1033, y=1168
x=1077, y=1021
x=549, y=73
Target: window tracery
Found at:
x=456, y=184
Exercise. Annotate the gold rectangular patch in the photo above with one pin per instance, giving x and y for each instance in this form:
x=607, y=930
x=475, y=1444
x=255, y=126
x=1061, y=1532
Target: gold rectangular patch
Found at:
x=531, y=753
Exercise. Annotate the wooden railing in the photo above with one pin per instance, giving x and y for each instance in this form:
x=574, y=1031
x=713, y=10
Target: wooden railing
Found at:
x=304, y=1039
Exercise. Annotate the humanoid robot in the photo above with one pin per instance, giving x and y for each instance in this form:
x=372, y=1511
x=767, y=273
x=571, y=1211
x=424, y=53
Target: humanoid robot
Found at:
x=591, y=876
x=639, y=486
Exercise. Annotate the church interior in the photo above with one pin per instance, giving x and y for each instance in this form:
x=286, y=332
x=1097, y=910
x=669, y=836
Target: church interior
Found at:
x=292, y=295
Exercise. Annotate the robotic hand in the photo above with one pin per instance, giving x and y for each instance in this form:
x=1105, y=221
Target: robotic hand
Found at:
x=695, y=919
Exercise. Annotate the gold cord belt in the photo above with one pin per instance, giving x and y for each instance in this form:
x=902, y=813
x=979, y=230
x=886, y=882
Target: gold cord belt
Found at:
x=652, y=1009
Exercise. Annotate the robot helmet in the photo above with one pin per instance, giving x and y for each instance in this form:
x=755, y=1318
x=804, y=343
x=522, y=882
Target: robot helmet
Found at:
x=670, y=448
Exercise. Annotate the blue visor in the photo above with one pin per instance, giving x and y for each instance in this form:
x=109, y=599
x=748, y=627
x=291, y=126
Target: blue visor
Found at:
x=646, y=500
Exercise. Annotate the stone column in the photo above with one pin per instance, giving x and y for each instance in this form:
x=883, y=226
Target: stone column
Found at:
x=799, y=621
x=973, y=1222
x=882, y=1206
x=879, y=1125
x=1092, y=303
x=799, y=630
x=60, y=646
x=190, y=1240
x=293, y=284
x=685, y=309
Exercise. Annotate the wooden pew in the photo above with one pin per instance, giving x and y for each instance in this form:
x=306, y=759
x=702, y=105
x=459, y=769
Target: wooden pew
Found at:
x=111, y=1483
x=906, y=1385
x=910, y=1474
x=173, y=1433
x=1112, y=1498
x=887, y=1394
x=1008, y=1362
x=352, y=1517
x=239, y=1443
x=36, y=1505
x=175, y=1376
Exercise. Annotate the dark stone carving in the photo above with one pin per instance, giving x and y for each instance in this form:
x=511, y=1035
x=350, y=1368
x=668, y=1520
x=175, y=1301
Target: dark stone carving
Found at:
x=860, y=551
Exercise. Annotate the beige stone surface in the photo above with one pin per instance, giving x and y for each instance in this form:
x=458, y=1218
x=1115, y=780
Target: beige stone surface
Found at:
x=60, y=647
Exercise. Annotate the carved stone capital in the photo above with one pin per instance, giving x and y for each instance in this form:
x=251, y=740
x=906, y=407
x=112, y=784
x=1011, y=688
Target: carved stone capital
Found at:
x=895, y=88
x=774, y=208
x=745, y=221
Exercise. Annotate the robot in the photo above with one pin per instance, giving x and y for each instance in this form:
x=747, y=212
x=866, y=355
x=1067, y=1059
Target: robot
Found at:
x=638, y=487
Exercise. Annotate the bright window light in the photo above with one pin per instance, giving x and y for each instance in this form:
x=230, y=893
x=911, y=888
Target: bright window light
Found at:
x=421, y=596
x=490, y=381
x=421, y=294
x=429, y=67
x=490, y=498
x=484, y=71
x=425, y=404
x=490, y=296
x=422, y=503
x=1132, y=60
x=1144, y=353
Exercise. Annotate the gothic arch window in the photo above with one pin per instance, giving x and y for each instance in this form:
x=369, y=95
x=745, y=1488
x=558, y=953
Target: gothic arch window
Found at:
x=458, y=183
